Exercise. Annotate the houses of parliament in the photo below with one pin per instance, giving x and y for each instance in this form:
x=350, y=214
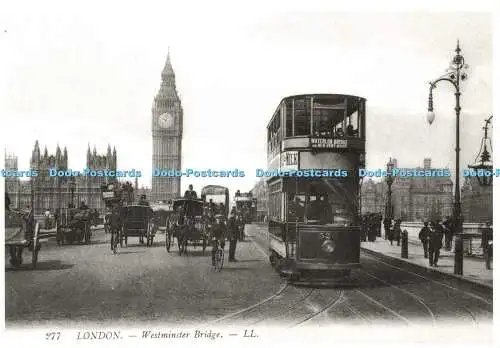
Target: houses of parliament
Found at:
x=55, y=192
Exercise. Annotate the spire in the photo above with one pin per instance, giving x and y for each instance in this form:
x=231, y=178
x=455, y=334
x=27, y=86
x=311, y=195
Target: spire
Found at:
x=45, y=152
x=168, y=71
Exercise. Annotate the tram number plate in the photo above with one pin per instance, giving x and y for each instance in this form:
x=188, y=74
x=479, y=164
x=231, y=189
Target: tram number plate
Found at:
x=326, y=235
x=329, y=143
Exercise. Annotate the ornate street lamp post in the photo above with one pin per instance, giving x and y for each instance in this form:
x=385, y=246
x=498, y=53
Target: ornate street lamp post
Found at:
x=72, y=186
x=455, y=74
x=483, y=160
x=390, y=180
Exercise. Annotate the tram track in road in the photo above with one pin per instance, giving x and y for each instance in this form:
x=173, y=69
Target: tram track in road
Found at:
x=335, y=300
x=443, y=284
x=409, y=293
x=449, y=295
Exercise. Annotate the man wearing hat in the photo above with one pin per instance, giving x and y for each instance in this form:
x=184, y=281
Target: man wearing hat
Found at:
x=190, y=194
x=232, y=235
x=217, y=231
x=143, y=201
x=424, y=235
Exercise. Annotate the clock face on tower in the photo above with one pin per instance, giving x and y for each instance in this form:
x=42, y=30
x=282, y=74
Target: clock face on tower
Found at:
x=166, y=120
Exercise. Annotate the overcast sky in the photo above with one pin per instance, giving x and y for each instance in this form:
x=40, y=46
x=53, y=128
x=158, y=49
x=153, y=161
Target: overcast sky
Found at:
x=79, y=74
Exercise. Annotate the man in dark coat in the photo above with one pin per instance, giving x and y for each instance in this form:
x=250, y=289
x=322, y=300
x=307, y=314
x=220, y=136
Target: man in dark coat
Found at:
x=143, y=201
x=487, y=244
x=397, y=231
x=448, y=233
x=387, y=227
x=435, y=243
x=190, y=194
x=232, y=235
x=424, y=238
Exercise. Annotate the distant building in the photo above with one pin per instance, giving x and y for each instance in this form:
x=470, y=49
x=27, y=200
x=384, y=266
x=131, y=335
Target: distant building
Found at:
x=259, y=192
x=52, y=192
x=413, y=198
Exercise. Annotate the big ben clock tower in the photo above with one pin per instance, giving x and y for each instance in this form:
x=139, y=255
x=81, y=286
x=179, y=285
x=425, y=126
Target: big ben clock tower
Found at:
x=166, y=126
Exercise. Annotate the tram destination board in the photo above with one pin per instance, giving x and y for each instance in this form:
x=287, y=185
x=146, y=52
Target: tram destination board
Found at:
x=329, y=143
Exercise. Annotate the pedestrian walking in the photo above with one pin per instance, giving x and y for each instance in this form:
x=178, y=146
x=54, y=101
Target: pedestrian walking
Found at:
x=390, y=233
x=487, y=244
x=232, y=235
x=397, y=231
x=435, y=243
x=423, y=235
x=448, y=233
x=387, y=227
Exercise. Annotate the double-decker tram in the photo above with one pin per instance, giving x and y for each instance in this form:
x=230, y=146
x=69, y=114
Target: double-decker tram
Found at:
x=316, y=145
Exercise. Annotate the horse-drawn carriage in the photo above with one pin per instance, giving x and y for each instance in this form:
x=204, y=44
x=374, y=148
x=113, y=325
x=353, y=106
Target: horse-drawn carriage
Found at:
x=161, y=221
x=73, y=225
x=187, y=225
x=136, y=223
x=21, y=231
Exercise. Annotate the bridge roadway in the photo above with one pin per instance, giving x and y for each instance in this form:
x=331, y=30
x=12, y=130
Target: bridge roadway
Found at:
x=87, y=284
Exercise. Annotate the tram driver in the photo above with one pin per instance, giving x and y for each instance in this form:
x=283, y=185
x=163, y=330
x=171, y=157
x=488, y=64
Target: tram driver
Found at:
x=296, y=209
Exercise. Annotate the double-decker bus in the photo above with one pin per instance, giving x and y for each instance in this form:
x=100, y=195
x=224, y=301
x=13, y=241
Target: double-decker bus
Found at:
x=246, y=206
x=219, y=196
x=315, y=146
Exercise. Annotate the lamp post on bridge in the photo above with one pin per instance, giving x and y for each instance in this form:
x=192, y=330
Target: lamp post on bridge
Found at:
x=455, y=73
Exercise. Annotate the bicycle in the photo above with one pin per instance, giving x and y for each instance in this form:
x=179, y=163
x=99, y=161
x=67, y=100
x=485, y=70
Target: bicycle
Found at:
x=218, y=261
x=115, y=238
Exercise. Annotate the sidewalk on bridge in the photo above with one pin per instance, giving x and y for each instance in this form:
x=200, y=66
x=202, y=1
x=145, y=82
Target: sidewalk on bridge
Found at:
x=474, y=268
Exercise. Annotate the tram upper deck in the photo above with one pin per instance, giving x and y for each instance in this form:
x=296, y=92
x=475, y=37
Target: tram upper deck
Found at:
x=306, y=130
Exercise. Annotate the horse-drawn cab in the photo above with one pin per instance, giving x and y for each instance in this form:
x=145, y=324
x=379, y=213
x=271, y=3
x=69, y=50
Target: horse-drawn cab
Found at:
x=136, y=223
x=161, y=219
x=187, y=223
x=73, y=225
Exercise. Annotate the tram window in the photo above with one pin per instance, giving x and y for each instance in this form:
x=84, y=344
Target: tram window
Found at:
x=289, y=118
x=328, y=122
x=329, y=204
x=302, y=117
x=353, y=119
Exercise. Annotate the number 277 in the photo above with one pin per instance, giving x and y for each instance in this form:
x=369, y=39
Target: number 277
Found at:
x=52, y=336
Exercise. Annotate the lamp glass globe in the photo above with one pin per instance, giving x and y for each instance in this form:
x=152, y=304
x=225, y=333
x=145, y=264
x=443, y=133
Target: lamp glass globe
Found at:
x=430, y=116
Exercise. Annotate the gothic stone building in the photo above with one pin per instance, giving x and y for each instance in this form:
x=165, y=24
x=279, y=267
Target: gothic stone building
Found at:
x=54, y=192
x=477, y=201
x=167, y=124
x=413, y=198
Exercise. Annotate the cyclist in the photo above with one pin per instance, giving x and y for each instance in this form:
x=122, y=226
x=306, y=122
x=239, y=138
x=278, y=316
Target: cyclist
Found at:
x=218, y=234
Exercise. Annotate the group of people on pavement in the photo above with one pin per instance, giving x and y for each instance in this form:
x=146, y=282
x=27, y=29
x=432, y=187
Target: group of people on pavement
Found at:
x=432, y=240
x=370, y=227
x=392, y=230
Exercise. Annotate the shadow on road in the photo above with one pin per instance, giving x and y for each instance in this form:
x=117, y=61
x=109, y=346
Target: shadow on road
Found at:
x=199, y=252
x=41, y=266
x=129, y=252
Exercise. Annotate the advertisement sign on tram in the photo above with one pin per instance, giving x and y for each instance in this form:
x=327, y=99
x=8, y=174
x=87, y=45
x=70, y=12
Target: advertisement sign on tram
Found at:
x=290, y=160
x=329, y=143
